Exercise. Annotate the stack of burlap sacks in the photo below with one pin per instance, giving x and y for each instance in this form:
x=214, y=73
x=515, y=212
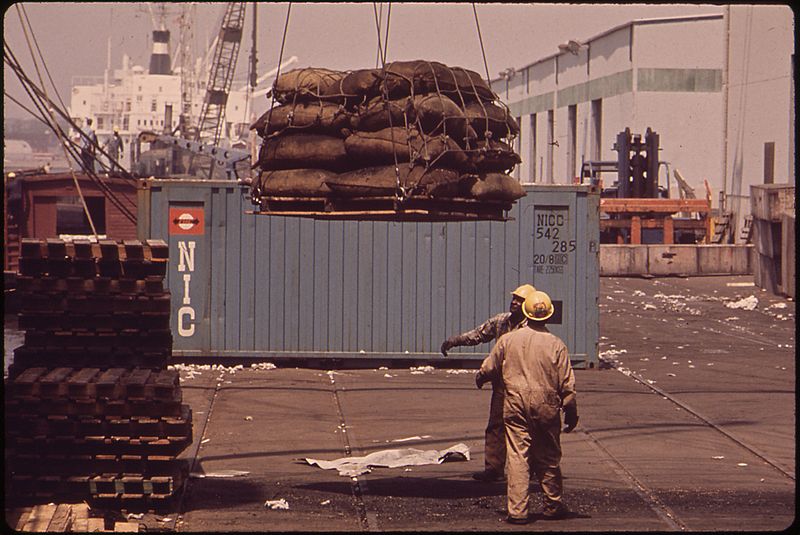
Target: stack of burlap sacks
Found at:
x=438, y=132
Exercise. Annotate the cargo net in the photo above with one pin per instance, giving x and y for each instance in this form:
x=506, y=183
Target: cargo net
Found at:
x=92, y=410
x=417, y=140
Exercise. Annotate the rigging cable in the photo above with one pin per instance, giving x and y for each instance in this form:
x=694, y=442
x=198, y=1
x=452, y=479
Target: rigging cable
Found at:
x=483, y=50
x=37, y=97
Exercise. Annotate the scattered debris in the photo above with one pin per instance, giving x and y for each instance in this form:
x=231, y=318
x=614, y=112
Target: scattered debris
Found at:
x=740, y=284
x=277, y=504
x=416, y=437
x=205, y=440
x=457, y=372
x=134, y=516
x=219, y=474
x=718, y=457
x=741, y=464
x=638, y=293
x=248, y=418
x=422, y=369
x=670, y=375
x=263, y=366
x=326, y=502
x=747, y=303
x=778, y=305
x=356, y=466
x=648, y=306
x=388, y=375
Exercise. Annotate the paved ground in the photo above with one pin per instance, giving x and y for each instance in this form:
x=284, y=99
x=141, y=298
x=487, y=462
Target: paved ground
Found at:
x=688, y=425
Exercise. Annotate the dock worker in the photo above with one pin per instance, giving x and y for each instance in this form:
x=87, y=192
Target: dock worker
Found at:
x=492, y=329
x=88, y=145
x=114, y=148
x=535, y=369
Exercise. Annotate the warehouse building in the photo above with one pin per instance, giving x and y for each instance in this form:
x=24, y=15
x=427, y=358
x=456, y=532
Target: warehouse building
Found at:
x=718, y=89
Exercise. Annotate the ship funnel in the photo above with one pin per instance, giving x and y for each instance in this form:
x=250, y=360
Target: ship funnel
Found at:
x=159, y=59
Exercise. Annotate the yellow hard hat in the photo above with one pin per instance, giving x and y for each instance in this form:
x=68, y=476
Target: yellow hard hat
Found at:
x=116, y=128
x=538, y=306
x=523, y=291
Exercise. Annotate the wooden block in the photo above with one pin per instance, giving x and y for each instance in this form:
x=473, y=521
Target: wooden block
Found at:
x=17, y=517
x=95, y=524
x=40, y=517
x=62, y=519
x=126, y=527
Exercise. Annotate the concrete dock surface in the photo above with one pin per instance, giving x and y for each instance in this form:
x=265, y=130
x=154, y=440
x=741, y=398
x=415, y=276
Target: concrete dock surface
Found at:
x=688, y=424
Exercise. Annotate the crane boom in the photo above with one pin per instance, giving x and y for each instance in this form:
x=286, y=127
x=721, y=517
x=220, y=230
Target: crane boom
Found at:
x=220, y=77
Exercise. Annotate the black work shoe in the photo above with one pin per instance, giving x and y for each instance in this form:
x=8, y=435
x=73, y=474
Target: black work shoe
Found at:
x=558, y=513
x=512, y=520
x=488, y=476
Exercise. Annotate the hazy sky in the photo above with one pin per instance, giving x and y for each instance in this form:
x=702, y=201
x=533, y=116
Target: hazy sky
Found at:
x=74, y=37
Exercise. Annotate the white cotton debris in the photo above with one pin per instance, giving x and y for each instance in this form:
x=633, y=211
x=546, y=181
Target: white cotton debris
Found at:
x=421, y=369
x=718, y=457
x=778, y=305
x=326, y=502
x=645, y=359
x=263, y=366
x=248, y=418
x=741, y=464
x=383, y=368
x=740, y=284
x=134, y=516
x=416, y=437
x=638, y=293
x=205, y=440
x=277, y=504
x=670, y=375
x=732, y=318
x=387, y=375
x=650, y=307
x=748, y=303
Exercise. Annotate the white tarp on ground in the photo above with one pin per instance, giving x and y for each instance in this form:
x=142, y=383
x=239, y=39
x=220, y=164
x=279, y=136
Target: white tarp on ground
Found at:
x=355, y=466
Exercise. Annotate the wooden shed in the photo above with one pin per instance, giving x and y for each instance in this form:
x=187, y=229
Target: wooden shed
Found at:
x=47, y=205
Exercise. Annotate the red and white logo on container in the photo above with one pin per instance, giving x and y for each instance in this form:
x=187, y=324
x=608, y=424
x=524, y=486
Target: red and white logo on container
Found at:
x=186, y=221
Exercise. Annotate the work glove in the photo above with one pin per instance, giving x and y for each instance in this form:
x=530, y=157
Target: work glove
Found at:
x=480, y=380
x=446, y=345
x=570, y=418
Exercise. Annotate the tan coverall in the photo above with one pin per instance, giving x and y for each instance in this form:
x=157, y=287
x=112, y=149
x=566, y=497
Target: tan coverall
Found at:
x=537, y=374
x=495, y=440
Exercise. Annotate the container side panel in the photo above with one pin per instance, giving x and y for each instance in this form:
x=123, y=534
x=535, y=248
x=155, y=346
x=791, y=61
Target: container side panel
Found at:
x=380, y=287
x=498, y=290
x=423, y=290
x=350, y=310
x=469, y=318
x=408, y=278
x=438, y=297
x=322, y=282
x=307, y=318
x=336, y=310
x=365, y=319
x=262, y=291
x=394, y=299
x=277, y=278
x=453, y=279
x=232, y=319
x=248, y=280
x=292, y=283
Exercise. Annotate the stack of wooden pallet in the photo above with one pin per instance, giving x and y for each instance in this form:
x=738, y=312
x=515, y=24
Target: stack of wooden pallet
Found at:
x=91, y=409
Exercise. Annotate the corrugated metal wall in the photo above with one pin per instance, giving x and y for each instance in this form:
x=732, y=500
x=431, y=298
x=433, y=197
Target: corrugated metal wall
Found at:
x=265, y=285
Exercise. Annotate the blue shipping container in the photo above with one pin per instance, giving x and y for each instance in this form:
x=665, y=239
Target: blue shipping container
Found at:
x=247, y=285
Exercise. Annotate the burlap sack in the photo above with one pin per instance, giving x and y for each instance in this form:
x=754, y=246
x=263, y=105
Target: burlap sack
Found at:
x=382, y=181
x=418, y=77
x=376, y=114
x=438, y=114
x=305, y=84
x=293, y=183
x=303, y=151
x=355, y=87
x=481, y=187
x=491, y=155
x=316, y=117
x=383, y=146
x=487, y=117
x=380, y=148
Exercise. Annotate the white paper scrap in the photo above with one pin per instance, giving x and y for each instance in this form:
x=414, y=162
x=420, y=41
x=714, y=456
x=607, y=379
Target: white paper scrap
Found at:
x=277, y=504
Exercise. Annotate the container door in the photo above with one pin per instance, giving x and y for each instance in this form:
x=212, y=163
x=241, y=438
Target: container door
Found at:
x=188, y=275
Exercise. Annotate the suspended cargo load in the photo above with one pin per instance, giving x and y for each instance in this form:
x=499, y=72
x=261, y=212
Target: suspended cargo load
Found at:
x=416, y=140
